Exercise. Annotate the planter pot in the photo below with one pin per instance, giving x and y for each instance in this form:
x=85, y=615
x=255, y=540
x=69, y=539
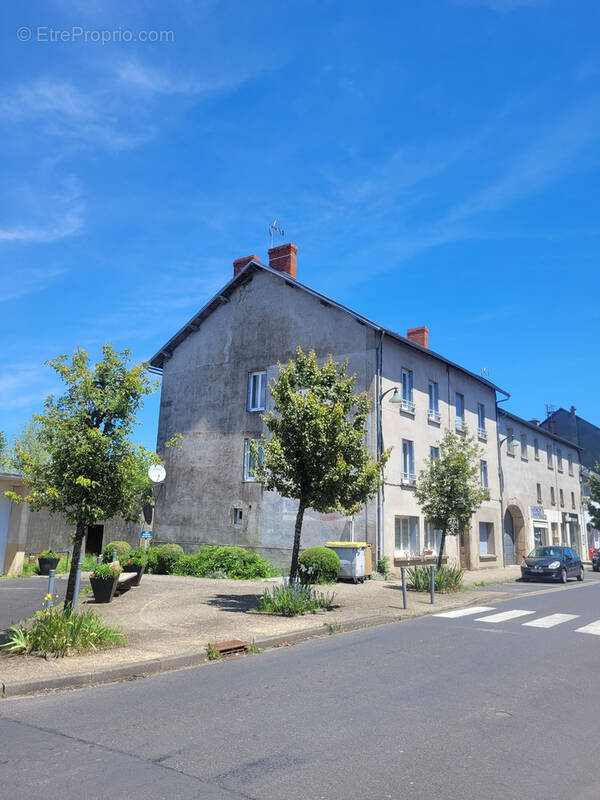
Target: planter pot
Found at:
x=46, y=564
x=139, y=568
x=103, y=589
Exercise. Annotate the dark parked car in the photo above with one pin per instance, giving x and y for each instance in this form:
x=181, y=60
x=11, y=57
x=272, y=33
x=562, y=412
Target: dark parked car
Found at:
x=556, y=563
x=596, y=560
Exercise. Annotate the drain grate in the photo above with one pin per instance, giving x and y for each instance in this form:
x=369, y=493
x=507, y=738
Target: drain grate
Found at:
x=234, y=647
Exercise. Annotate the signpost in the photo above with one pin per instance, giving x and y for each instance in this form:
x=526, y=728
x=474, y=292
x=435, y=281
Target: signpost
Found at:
x=157, y=474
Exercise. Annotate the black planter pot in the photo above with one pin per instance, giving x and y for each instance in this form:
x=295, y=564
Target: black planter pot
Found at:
x=104, y=589
x=139, y=568
x=46, y=564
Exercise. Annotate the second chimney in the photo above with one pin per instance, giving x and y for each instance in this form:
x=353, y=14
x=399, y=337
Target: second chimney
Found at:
x=240, y=263
x=419, y=335
x=283, y=258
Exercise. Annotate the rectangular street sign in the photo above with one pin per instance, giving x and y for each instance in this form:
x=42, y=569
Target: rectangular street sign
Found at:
x=146, y=535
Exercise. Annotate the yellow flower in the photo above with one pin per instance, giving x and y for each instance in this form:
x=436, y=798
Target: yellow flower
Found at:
x=48, y=597
x=47, y=613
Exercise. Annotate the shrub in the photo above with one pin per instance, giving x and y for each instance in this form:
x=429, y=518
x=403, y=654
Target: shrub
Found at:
x=152, y=559
x=447, y=579
x=289, y=601
x=318, y=565
x=383, y=567
x=137, y=557
x=230, y=562
x=59, y=633
x=123, y=549
x=88, y=563
x=106, y=572
x=166, y=556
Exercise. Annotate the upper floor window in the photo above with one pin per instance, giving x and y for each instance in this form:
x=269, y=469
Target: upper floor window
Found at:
x=407, y=391
x=434, y=452
x=524, y=446
x=434, y=401
x=459, y=405
x=408, y=462
x=570, y=459
x=483, y=474
x=552, y=496
x=559, y=464
x=539, y=492
x=536, y=449
x=561, y=496
x=549, y=456
x=481, y=432
x=257, y=391
x=250, y=459
x=510, y=442
x=572, y=499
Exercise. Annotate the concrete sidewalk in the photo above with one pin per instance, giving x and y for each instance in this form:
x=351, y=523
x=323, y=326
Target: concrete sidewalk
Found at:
x=492, y=575
x=169, y=620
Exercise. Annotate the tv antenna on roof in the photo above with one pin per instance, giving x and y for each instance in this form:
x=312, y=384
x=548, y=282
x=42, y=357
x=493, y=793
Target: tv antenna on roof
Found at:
x=485, y=372
x=275, y=227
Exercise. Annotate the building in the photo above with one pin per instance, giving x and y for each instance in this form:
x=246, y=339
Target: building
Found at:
x=587, y=436
x=215, y=372
x=541, y=495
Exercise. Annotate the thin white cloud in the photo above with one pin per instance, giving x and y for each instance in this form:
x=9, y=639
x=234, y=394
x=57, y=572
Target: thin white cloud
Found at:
x=25, y=385
x=150, y=80
x=27, y=281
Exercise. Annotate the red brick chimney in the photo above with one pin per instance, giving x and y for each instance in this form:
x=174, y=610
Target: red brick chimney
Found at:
x=419, y=335
x=240, y=263
x=283, y=258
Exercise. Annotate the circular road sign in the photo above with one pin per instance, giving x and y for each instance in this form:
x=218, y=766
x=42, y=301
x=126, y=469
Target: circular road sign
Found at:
x=157, y=473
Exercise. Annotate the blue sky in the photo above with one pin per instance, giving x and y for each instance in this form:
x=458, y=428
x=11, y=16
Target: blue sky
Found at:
x=436, y=163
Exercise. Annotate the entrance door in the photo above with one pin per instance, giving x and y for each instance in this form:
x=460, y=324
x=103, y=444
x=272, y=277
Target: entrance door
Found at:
x=509, y=540
x=93, y=542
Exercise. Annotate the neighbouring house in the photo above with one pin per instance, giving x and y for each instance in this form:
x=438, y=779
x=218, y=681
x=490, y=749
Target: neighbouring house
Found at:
x=541, y=495
x=215, y=373
x=24, y=533
x=587, y=436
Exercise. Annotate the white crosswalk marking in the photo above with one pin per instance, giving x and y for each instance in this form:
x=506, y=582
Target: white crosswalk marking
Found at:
x=593, y=628
x=551, y=621
x=465, y=612
x=504, y=616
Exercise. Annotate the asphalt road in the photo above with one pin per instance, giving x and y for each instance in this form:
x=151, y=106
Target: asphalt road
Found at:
x=464, y=708
x=22, y=597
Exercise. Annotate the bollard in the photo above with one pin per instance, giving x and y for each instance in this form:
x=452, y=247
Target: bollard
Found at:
x=51, y=576
x=99, y=560
x=78, y=579
x=403, y=574
x=432, y=585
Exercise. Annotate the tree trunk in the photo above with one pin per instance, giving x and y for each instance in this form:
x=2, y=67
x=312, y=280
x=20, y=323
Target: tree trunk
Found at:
x=297, y=535
x=80, y=532
x=441, y=553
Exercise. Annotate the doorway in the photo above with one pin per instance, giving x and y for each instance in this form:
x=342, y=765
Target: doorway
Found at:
x=93, y=541
x=509, y=540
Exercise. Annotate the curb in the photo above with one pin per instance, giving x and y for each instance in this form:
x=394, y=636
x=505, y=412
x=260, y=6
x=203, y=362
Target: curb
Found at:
x=157, y=666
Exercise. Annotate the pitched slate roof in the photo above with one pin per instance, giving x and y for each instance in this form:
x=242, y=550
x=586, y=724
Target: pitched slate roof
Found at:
x=158, y=359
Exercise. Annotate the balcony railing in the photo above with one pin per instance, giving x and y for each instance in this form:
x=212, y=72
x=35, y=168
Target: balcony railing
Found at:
x=433, y=415
x=409, y=479
x=407, y=405
x=482, y=434
x=460, y=424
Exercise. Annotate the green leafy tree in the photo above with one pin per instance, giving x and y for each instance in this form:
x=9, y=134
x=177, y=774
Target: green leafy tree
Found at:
x=316, y=453
x=83, y=464
x=448, y=489
x=593, y=502
x=5, y=455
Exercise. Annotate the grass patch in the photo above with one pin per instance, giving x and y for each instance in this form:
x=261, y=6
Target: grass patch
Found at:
x=213, y=654
x=58, y=633
x=333, y=627
x=290, y=601
x=447, y=579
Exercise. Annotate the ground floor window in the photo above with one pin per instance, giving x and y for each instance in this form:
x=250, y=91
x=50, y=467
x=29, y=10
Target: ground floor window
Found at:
x=540, y=536
x=250, y=459
x=486, y=539
x=406, y=536
x=433, y=537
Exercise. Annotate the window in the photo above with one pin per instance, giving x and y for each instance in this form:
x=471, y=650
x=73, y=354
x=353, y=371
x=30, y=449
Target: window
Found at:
x=434, y=402
x=486, y=539
x=570, y=458
x=257, y=391
x=524, y=446
x=549, y=456
x=407, y=391
x=250, y=460
x=536, y=449
x=539, y=493
x=561, y=496
x=408, y=462
x=459, y=404
x=554, y=527
x=407, y=535
x=552, y=496
x=483, y=474
x=433, y=538
x=237, y=516
x=510, y=442
x=559, y=465
x=434, y=452
x=572, y=499
x=481, y=432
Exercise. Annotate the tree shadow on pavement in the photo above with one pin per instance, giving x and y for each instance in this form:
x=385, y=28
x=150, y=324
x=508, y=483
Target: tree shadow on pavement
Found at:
x=234, y=602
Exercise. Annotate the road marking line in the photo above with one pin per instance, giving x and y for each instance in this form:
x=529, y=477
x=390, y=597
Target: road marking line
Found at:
x=593, y=628
x=465, y=612
x=504, y=616
x=551, y=621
